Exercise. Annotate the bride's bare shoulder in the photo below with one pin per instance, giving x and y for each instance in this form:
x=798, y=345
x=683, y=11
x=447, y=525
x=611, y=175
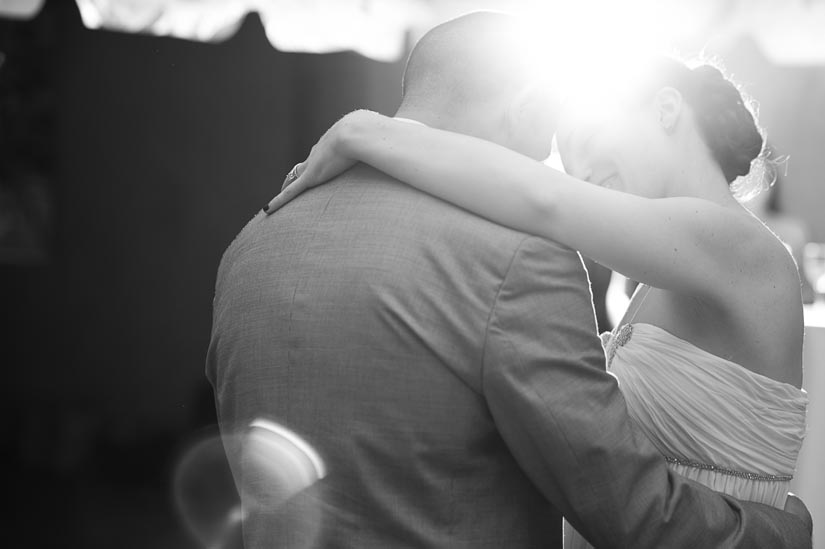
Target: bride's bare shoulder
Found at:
x=772, y=258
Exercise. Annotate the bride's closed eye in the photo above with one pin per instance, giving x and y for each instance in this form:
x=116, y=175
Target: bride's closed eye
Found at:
x=597, y=171
x=609, y=181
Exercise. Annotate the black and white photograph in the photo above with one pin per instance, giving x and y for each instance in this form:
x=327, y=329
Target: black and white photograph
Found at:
x=441, y=274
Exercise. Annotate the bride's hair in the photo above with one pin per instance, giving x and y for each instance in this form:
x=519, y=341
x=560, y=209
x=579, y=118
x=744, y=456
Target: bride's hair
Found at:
x=727, y=120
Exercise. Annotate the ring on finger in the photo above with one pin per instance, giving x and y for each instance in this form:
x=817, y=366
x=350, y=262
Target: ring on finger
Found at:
x=293, y=174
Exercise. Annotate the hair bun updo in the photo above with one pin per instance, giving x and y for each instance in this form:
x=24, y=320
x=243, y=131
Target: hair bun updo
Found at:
x=726, y=119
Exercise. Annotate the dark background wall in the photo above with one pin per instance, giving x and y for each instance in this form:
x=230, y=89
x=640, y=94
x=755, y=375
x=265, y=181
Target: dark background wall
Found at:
x=162, y=150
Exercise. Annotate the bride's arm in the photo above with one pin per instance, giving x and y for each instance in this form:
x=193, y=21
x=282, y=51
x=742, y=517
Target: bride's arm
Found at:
x=675, y=243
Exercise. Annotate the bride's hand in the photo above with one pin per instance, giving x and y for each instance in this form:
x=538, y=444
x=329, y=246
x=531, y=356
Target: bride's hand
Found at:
x=327, y=159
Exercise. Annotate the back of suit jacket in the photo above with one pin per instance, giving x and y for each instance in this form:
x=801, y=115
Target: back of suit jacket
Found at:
x=358, y=316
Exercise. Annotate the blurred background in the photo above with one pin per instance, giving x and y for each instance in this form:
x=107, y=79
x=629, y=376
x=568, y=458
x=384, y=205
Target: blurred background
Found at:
x=136, y=140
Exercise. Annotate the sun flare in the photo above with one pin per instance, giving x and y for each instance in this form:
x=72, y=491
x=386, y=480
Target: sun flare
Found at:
x=589, y=44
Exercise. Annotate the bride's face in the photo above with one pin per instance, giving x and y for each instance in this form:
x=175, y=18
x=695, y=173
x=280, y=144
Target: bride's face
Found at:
x=625, y=149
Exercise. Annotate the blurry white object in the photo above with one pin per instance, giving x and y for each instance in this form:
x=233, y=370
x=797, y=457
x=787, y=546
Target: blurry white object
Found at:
x=815, y=318
x=374, y=28
x=205, y=496
x=809, y=482
x=617, y=299
x=205, y=20
x=283, y=456
x=787, y=31
x=20, y=9
x=814, y=258
x=276, y=475
x=271, y=464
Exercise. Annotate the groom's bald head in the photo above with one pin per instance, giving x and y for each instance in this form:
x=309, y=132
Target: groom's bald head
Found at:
x=473, y=75
x=480, y=56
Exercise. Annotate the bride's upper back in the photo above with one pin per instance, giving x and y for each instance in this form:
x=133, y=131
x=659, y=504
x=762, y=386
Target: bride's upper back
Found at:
x=758, y=323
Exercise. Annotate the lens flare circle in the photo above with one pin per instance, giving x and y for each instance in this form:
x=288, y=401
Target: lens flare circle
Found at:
x=205, y=496
x=277, y=464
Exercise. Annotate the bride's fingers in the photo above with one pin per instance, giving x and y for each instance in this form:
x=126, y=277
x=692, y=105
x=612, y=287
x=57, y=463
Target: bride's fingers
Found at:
x=276, y=203
x=288, y=189
x=289, y=192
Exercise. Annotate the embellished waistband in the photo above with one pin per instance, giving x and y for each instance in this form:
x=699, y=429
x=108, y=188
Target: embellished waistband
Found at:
x=725, y=471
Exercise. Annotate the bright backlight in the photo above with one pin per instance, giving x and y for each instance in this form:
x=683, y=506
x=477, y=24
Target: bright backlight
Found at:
x=593, y=42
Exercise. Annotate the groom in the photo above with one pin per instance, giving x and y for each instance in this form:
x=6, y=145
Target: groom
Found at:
x=446, y=369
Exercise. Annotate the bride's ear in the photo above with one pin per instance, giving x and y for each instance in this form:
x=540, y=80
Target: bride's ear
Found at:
x=668, y=103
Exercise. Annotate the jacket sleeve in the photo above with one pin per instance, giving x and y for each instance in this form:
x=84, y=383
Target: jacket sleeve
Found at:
x=565, y=421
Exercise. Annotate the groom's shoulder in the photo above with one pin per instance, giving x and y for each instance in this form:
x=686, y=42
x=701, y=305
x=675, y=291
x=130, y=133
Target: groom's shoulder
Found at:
x=364, y=207
x=548, y=258
x=422, y=217
x=385, y=196
x=238, y=244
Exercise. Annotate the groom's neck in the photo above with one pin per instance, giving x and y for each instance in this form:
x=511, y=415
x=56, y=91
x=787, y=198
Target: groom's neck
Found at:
x=474, y=124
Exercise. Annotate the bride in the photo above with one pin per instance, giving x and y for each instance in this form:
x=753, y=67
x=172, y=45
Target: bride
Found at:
x=709, y=354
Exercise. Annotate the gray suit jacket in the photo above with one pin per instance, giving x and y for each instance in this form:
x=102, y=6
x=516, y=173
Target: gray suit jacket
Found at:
x=449, y=372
